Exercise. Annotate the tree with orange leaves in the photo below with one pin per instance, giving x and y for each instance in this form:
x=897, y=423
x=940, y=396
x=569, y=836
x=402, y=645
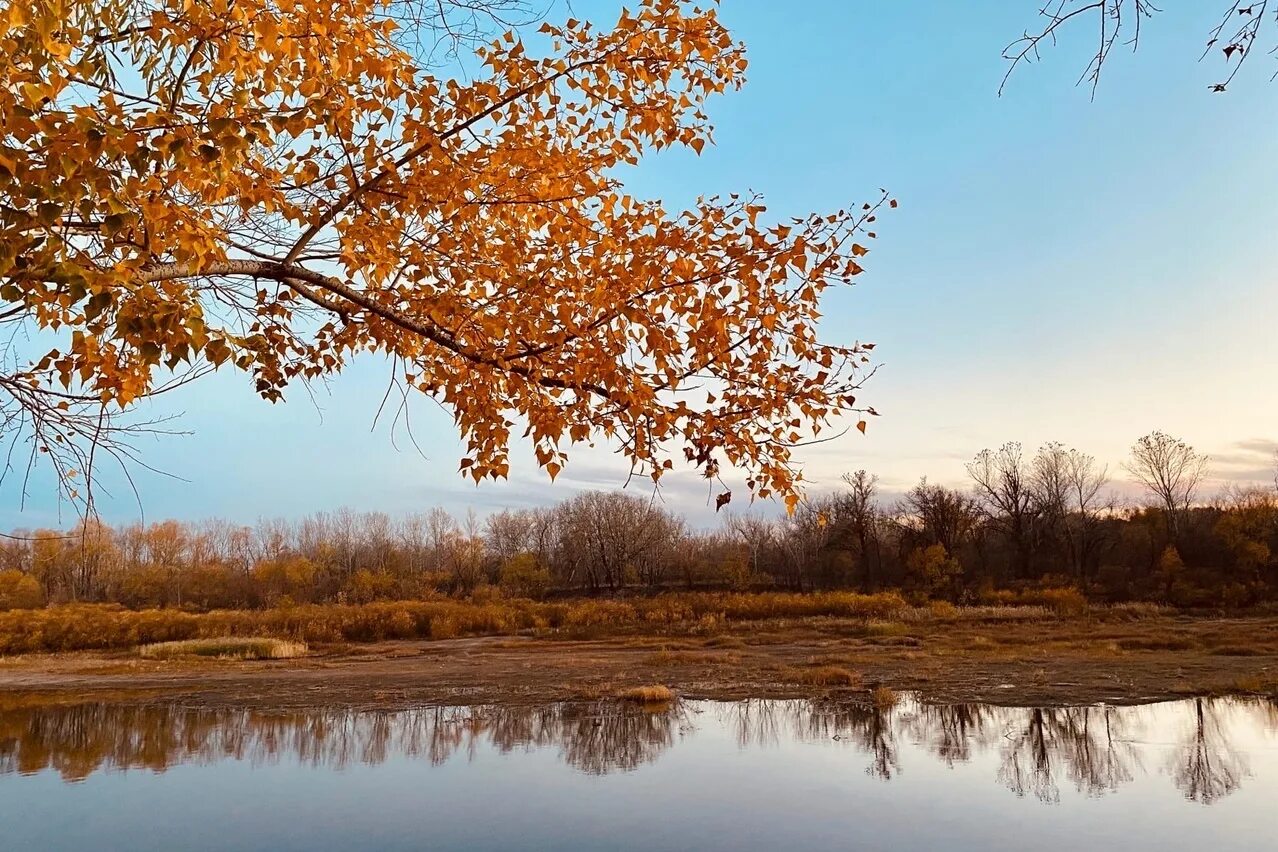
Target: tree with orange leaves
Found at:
x=278, y=185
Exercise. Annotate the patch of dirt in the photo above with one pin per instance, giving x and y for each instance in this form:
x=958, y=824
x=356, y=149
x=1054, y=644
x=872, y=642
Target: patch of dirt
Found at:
x=1064, y=661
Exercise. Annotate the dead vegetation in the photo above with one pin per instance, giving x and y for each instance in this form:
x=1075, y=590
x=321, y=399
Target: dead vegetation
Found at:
x=1108, y=654
x=655, y=694
x=822, y=676
x=229, y=648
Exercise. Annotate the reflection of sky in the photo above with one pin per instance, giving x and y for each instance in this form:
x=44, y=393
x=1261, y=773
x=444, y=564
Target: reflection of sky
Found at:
x=1058, y=270
x=800, y=789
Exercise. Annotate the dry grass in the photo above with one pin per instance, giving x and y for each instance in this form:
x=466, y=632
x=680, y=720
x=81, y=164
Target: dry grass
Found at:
x=75, y=627
x=666, y=657
x=884, y=698
x=886, y=628
x=1250, y=683
x=1239, y=651
x=229, y=648
x=655, y=694
x=593, y=691
x=823, y=676
x=734, y=642
x=656, y=621
x=1156, y=643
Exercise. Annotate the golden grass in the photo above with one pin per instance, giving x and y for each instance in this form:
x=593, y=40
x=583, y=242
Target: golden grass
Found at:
x=823, y=676
x=878, y=618
x=654, y=694
x=884, y=698
x=74, y=627
x=886, y=628
x=229, y=648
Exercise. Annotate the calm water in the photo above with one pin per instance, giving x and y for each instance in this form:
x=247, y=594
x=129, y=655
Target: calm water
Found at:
x=763, y=775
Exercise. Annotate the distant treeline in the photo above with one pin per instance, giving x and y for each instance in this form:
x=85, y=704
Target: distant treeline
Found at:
x=1046, y=520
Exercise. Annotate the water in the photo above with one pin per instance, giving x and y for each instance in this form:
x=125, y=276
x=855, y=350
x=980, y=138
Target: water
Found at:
x=763, y=775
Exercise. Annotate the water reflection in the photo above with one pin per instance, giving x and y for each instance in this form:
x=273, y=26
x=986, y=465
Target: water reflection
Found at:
x=78, y=740
x=1097, y=750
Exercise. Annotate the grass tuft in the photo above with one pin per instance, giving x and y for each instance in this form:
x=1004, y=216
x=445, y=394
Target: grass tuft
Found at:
x=655, y=694
x=228, y=648
x=884, y=698
x=824, y=676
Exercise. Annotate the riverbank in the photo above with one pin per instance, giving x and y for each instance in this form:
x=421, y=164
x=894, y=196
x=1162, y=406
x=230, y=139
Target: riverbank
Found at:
x=1098, y=657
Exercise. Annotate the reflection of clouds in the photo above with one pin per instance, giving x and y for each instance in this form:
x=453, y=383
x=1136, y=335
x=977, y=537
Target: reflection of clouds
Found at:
x=1093, y=749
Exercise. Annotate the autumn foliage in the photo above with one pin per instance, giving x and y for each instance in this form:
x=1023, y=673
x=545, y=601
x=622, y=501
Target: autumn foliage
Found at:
x=280, y=185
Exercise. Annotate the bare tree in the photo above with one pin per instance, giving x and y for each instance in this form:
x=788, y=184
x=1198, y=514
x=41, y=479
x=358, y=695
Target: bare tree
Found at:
x=757, y=533
x=804, y=536
x=933, y=514
x=1069, y=488
x=1171, y=471
x=858, y=510
x=610, y=538
x=1004, y=487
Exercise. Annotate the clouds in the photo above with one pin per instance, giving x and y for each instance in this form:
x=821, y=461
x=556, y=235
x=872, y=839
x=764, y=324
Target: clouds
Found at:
x=1251, y=461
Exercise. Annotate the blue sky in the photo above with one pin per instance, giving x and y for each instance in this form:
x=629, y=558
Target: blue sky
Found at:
x=1059, y=268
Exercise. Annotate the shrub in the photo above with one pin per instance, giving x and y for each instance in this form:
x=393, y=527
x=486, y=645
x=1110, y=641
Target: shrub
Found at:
x=942, y=610
x=523, y=576
x=1063, y=601
x=19, y=591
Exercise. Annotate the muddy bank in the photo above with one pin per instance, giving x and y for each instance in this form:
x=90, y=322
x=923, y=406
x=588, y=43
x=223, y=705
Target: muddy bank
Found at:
x=1067, y=661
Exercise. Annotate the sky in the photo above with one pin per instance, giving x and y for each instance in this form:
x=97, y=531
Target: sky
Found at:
x=1060, y=268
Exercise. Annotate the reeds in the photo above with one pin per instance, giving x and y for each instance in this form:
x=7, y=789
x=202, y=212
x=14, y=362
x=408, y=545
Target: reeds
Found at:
x=227, y=648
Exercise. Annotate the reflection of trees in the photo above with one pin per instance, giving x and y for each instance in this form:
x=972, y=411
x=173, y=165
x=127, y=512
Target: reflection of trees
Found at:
x=1206, y=767
x=1086, y=741
x=1089, y=746
x=77, y=740
x=1027, y=760
x=951, y=730
x=762, y=722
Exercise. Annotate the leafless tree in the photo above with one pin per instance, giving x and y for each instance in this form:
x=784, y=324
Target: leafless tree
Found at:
x=1171, y=471
x=610, y=538
x=934, y=514
x=804, y=536
x=1069, y=487
x=1005, y=488
x=759, y=534
x=858, y=510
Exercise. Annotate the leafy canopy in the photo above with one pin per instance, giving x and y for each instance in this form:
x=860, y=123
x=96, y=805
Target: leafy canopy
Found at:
x=277, y=185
